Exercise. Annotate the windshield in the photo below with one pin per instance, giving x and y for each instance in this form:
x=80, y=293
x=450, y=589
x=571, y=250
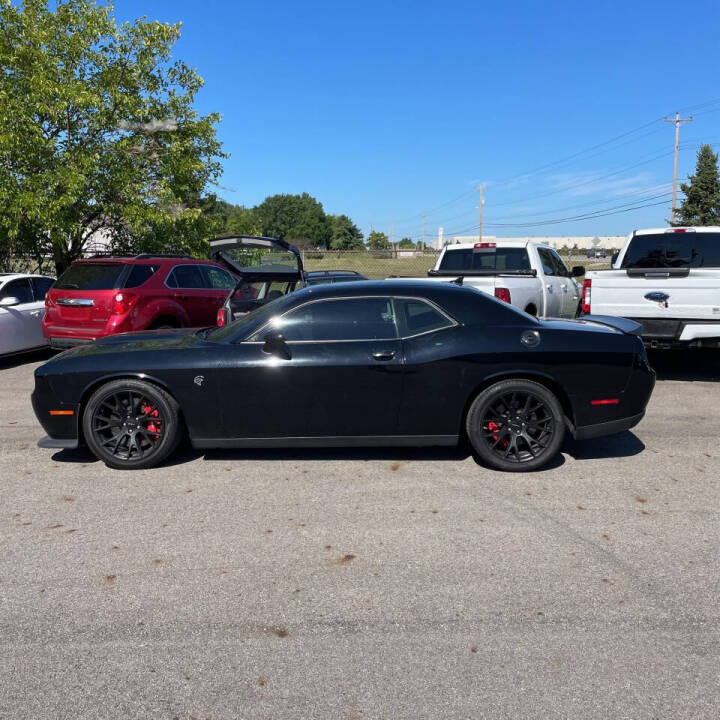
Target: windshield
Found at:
x=674, y=250
x=90, y=276
x=253, y=318
x=498, y=259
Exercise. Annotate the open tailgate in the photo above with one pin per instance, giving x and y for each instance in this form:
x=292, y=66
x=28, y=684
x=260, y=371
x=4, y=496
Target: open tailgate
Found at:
x=258, y=256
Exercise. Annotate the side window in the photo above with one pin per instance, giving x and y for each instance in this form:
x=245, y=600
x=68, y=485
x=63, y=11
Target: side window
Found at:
x=40, y=287
x=139, y=275
x=218, y=279
x=186, y=276
x=18, y=288
x=547, y=262
x=361, y=319
x=559, y=265
x=417, y=316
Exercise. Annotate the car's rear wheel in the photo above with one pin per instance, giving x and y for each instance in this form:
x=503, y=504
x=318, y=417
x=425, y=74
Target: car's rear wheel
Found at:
x=516, y=425
x=130, y=424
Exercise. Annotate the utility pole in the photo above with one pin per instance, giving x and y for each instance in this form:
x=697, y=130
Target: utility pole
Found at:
x=677, y=120
x=422, y=242
x=479, y=188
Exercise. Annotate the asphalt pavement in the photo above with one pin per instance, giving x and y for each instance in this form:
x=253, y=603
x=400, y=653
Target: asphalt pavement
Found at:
x=367, y=583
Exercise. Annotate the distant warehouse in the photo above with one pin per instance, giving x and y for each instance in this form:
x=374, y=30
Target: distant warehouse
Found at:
x=582, y=242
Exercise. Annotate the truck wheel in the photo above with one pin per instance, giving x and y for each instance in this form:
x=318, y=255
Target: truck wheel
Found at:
x=516, y=425
x=130, y=424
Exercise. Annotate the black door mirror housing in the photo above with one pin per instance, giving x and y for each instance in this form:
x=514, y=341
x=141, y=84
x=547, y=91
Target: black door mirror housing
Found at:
x=274, y=344
x=577, y=271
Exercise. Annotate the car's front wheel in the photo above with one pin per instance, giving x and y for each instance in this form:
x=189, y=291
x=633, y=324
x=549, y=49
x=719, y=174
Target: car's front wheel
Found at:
x=130, y=424
x=516, y=425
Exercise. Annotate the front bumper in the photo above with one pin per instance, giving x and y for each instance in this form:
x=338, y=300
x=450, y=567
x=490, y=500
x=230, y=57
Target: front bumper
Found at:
x=50, y=443
x=59, y=420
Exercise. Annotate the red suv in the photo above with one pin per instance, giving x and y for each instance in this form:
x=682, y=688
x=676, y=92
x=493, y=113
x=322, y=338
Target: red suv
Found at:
x=107, y=295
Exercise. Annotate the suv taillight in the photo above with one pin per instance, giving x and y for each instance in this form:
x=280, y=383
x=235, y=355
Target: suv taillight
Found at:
x=503, y=294
x=220, y=322
x=122, y=303
x=587, y=288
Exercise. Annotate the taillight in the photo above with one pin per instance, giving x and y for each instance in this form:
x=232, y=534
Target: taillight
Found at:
x=220, y=322
x=122, y=303
x=587, y=287
x=502, y=294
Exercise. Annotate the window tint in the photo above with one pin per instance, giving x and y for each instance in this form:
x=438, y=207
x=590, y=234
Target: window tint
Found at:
x=218, y=279
x=40, y=286
x=674, y=250
x=560, y=268
x=503, y=259
x=186, y=276
x=140, y=274
x=546, y=258
x=19, y=289
x=91, y=276
x=361, y=319
x=417, y=316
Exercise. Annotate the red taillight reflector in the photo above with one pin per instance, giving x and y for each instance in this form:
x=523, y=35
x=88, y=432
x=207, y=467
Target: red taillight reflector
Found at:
x=220, y=320
x=122, y=303
x=485, y=245
x=62, y=412
x=607, y=401
x=502, y=294
x=587, y=288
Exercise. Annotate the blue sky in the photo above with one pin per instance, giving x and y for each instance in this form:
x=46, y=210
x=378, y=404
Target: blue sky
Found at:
x=386, y=110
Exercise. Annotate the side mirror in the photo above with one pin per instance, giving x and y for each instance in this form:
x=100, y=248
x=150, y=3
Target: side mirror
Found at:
x=577, y=271
x=275, y=345
x=9, y=301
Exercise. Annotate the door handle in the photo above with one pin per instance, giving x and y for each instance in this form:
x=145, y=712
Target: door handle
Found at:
x=564, y=287
x=384, y=355
x=549, y=287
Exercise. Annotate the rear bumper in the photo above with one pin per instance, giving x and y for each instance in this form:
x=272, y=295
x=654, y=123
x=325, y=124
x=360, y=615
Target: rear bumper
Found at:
x=664, y=332
x=607, y=428
x=63, y=343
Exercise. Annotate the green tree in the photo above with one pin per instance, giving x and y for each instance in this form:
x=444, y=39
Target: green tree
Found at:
x=226, y=218
x=701, y=205
x=406, y=244
x=295, y=218
x=378, y=241
x=345, y=235
x=98, y=133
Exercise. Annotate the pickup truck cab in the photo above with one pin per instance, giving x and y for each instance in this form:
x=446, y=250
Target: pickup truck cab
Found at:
x=529, y=275
x=666, y=279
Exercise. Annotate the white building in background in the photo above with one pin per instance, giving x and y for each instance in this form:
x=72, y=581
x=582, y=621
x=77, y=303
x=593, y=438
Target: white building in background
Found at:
x=583, y=242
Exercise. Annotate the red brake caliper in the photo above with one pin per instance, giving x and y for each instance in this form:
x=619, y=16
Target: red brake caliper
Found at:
x=153, y=427
x=493, y=428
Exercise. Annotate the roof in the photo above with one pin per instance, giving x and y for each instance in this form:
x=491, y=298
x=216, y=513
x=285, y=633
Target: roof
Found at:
x=670, y=230
x=498, y=242
x=392, y=286
x=4, y=277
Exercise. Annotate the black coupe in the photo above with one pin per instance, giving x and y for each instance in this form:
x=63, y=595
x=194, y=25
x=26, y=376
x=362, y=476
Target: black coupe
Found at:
x=366, y=363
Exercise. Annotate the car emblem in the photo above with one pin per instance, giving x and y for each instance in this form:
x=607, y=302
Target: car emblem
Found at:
x=659, y=297
x=199, y=380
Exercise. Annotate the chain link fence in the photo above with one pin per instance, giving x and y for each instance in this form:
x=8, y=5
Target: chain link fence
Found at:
x=378, y=264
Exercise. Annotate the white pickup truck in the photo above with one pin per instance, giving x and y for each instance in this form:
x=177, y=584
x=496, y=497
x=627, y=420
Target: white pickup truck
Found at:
x=668, y=280
x=528, y=275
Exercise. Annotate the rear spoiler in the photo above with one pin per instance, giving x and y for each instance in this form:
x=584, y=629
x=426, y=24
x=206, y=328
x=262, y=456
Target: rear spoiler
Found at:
x=629, y=327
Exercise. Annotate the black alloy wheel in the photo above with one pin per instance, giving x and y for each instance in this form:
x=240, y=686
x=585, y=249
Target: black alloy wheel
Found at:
x=130, y=424
x=516, y=425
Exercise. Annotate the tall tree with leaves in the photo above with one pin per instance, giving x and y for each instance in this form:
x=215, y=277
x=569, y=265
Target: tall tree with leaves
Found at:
x=378, y=241
x=98, y=133
x=295, y=218
x=345, y=234
x=701, y=205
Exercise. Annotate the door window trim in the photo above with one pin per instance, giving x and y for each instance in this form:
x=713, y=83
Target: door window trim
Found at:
x=177, y=287
x=391, y=298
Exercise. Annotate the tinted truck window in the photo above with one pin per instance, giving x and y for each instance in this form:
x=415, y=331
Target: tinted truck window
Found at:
x=674, y=250
x=91, y=276
x=499, y=259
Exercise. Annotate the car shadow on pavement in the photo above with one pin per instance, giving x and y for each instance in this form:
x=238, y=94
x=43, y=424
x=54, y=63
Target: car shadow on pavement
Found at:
x=34, y=356
x=624, y=444
x=694, y=364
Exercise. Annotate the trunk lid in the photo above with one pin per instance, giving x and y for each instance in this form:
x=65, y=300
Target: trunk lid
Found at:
x=255, y=257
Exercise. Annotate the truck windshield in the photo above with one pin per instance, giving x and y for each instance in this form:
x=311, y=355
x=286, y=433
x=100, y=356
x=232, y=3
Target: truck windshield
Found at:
x=674, y=250
x=499, y=259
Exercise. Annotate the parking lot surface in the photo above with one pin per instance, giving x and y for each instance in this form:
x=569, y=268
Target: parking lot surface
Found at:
x=367, y=583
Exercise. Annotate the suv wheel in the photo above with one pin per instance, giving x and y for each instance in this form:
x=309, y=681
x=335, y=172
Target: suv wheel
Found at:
x=130, y=424
x=516, y=425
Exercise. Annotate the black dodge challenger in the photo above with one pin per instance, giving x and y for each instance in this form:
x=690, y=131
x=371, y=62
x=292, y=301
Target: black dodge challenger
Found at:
x=388, y=362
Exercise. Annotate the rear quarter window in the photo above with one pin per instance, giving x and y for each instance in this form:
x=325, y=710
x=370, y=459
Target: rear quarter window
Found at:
x=139, y=275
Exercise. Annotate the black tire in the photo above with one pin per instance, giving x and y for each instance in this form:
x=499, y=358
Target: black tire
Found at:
x=130, y=424
x=516, y=425
x=164, y=325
